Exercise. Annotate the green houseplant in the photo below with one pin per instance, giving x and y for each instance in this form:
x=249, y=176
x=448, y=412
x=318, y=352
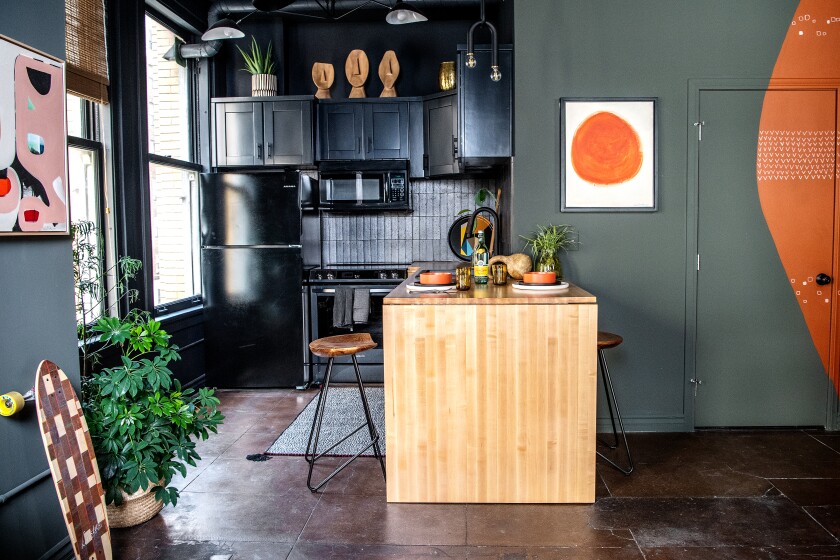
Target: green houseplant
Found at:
x=260, y=64
x=142, y=423
x=546, y=243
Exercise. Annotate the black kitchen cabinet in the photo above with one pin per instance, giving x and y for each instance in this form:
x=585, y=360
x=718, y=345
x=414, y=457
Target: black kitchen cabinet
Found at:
x=440, y=122
x=485, y=107
x=359, y=130
x=472, y=126
x=271, y=131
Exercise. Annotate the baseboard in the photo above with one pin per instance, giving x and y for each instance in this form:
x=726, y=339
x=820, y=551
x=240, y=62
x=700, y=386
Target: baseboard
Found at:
x=197, y=382
x=646, y=424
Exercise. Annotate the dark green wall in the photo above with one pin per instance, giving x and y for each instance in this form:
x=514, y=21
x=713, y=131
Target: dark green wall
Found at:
x=634, y=262
x=38, y=321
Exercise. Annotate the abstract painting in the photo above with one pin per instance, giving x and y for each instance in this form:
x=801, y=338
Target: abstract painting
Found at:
x=33, y=142
x=608, y=154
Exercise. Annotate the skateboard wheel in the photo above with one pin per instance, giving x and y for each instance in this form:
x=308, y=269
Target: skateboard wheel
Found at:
x=11, y=403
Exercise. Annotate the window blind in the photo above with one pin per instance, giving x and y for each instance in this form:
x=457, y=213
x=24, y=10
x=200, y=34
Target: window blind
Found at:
x=87, y=61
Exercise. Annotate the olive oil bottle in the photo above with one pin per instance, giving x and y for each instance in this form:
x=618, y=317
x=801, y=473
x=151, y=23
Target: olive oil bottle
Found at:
x=480, y=259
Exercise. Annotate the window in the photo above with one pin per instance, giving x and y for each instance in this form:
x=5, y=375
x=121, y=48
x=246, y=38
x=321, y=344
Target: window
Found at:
x=173, y=175
x=85, y=179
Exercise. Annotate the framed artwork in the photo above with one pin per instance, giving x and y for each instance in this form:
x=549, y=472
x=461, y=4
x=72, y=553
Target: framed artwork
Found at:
x=608, y=154
x=33, y=143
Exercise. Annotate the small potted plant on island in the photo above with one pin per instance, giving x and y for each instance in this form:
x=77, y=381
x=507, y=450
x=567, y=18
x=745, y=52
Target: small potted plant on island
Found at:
x=261, y=67
x=545, y=245
x=142, y=423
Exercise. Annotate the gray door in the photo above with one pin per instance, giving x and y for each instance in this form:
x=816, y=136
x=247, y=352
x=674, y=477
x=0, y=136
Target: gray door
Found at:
x=288, y=132
x=238, y=134
x=754, y=356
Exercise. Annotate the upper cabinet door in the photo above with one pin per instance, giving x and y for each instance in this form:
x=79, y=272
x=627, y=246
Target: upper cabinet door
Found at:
x=288, y=132
x=486, y=107
x=441, y=139
x=239, y=134
x=386, y=130
x=340, y=131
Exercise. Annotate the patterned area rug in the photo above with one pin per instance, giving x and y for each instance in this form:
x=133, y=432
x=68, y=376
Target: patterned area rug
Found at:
x=343, y=414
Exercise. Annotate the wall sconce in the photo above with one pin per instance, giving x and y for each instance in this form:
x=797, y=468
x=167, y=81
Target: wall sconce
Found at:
x=495, y=73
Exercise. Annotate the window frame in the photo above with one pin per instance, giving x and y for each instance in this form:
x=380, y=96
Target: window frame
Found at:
x=194, y=300
x=92, y=141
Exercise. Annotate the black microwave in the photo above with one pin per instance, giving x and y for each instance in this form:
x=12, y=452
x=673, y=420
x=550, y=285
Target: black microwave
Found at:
x=353, y=186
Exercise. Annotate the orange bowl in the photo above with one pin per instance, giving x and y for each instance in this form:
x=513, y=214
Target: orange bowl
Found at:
x=539, y=277
x=435, y=278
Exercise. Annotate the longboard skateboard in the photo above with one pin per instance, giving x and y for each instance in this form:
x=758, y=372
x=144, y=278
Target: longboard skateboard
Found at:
x=72, y=463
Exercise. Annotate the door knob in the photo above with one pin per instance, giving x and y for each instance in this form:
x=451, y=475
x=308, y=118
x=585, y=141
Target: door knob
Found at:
x=823, y=279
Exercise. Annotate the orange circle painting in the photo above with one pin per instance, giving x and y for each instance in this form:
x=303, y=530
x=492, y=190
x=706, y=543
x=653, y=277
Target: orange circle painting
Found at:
x=606, y=150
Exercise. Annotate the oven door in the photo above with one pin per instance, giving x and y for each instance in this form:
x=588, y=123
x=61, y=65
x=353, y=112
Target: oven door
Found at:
x=371, y=363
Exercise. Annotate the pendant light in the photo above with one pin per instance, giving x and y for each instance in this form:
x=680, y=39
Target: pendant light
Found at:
x=225, y=28
x=403, y=13
x=495, y=72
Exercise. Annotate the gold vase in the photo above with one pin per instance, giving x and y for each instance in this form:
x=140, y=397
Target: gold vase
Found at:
x=446, y=76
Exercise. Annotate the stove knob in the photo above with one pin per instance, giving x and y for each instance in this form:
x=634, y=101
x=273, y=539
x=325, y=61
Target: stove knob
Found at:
x=330, y=276
x=395, y=275
x=383, y=275
x=357, y=275
x=319, y=276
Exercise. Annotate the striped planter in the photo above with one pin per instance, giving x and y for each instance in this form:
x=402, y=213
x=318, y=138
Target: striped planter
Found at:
x=263, y=85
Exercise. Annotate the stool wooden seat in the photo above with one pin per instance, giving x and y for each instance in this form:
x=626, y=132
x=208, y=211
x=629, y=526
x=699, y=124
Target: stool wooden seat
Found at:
x=341, y=345
x=332, y=347
x=610, y=340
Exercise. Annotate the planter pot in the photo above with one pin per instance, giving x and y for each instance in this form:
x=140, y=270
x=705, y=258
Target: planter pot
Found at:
x=550, y=262
x=135, y=509
x=263, y=85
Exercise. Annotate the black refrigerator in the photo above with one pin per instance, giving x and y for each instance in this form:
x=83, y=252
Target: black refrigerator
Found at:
x=251, y=273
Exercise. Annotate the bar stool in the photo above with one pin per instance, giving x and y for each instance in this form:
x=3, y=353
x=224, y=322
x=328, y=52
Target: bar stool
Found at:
x=610, y=340
x=332, y=347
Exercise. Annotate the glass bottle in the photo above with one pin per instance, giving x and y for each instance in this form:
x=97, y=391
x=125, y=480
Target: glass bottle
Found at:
x=480, y=259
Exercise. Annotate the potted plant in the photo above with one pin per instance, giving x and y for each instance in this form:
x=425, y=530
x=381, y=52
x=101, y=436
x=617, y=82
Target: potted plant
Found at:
x=142, y=423
x=545, y=245
x=261, y=67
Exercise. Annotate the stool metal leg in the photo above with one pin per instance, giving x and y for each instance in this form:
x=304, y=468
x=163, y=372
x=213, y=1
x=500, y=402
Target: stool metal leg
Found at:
x=312, y=454
x=608, y=388
x=374, y=434
x=602, y=361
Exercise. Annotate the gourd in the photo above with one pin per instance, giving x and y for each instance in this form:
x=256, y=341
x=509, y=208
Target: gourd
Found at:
x=517, y=264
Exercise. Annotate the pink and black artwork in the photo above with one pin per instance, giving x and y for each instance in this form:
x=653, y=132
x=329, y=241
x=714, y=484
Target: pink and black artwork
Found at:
x=33, y=142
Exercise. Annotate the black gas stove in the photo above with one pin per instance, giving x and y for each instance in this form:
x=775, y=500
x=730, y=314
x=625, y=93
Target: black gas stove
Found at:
x=387, y=273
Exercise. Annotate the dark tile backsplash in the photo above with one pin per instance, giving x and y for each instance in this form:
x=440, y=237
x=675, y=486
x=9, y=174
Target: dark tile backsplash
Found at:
x=390, y=237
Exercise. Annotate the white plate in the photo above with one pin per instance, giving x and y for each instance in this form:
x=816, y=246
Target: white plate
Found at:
x=429, y=288
x=536, y=288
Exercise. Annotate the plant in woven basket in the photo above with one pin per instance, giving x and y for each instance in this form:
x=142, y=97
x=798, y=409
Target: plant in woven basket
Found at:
x=142, y=422
x=546, y=242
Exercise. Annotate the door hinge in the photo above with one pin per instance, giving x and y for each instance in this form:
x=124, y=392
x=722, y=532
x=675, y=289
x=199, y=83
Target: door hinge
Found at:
x=696, y=383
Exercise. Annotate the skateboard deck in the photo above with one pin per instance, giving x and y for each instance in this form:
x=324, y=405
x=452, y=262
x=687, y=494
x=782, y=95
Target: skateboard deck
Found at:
x=72, y=463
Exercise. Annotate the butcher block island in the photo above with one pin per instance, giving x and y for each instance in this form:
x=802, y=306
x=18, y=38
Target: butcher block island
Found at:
x=490, y=395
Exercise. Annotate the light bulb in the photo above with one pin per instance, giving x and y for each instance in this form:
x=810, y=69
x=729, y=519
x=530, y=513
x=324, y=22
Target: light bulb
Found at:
x=495, y=73
x=470, y=60
x=401, y=15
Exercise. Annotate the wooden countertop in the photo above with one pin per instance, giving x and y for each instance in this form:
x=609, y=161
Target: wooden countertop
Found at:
x=489, y=294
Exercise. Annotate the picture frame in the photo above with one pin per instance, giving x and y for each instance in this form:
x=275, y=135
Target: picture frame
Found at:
x=34, y=195
x=608, y=154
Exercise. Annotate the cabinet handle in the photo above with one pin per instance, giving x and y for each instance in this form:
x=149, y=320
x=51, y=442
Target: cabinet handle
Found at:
x=370, y=144
x=358, y=145
x=454, y=147
x=259, y=151
x=268, y=155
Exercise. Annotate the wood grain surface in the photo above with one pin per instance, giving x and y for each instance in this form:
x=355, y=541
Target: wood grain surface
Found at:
x=490, y=403
x=488, y=294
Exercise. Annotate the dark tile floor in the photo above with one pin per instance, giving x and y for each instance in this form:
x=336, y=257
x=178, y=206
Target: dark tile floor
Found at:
x=771, y=495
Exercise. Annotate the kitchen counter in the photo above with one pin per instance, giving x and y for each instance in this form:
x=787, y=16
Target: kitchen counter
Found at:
x=490, y=395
